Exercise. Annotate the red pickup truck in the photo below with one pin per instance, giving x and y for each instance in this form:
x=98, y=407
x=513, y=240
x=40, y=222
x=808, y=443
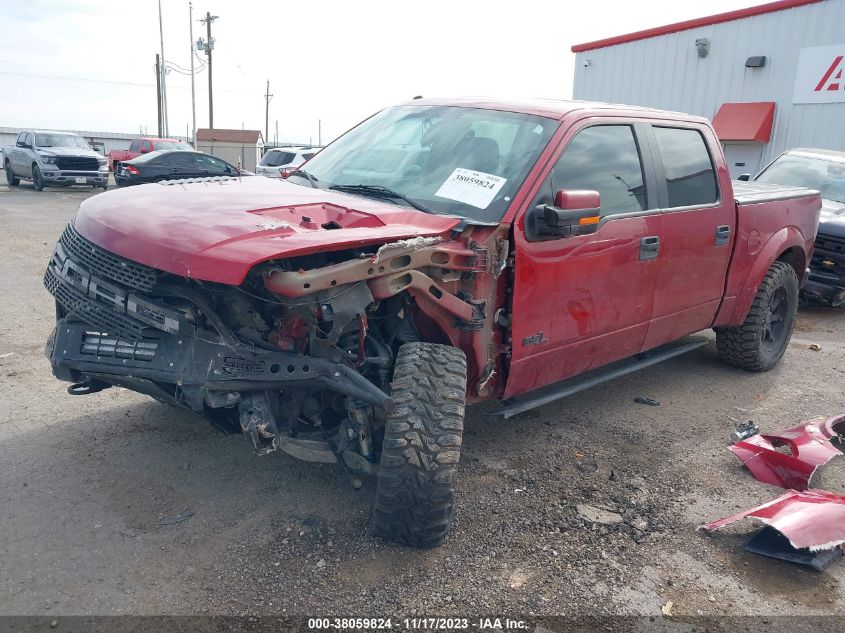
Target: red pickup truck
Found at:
x=440, y=253
x=144, y=145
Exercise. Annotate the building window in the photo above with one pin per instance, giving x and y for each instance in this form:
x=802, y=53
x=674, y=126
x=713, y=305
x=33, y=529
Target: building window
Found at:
x=604, y=158
x=690, y=178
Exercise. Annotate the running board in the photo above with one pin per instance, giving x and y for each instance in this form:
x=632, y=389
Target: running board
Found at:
x=545, y=395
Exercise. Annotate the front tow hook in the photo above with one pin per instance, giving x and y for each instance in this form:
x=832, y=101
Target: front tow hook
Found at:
x=87, y=387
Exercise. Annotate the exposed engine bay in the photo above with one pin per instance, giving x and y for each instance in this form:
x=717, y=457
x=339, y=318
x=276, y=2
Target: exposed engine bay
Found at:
x=299, y=357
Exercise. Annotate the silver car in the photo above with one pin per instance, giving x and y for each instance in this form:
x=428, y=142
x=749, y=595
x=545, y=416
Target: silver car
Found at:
x=278, y=159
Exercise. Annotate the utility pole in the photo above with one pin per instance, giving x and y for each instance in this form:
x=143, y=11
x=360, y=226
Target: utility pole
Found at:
x=319, y=132
x=193, y=93
x=267, y=97
x=276, y=137
x=158, y=91
x=163, y=73
x=208, y=47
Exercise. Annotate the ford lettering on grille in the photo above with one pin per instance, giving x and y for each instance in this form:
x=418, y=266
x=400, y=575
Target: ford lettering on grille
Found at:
x=115, y=297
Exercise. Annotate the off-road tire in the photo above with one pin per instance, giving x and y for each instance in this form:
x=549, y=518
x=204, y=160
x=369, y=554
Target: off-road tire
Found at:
x=760, y=342
x=422, y=445
x=37, y=179
x=11, y=179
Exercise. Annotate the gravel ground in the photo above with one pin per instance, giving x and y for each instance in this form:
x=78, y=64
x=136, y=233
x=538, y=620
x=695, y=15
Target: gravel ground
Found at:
x=115, y=504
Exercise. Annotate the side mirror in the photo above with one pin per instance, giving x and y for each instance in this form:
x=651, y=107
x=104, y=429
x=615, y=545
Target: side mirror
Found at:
x=23, y=144
x=744, y=177
x=575, y=212
x=144, y=150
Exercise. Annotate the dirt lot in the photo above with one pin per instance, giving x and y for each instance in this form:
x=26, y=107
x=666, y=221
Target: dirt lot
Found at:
x=94, y=489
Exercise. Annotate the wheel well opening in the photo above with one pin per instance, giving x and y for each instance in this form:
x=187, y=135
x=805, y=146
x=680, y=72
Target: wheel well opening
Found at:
x=795, y=258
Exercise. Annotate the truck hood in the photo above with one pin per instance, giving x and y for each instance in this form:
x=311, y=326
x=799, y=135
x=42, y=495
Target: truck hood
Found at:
x=218, y=229
x=68, y=151
x=832, y=218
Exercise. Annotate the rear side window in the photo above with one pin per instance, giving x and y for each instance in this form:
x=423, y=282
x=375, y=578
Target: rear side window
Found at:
x=690, y=177
x=135, y=145
x=178, y=159
x=604, y=158
x=275, y=159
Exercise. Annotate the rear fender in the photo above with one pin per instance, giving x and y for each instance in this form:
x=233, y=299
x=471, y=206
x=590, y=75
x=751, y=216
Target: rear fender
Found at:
x=787, y=244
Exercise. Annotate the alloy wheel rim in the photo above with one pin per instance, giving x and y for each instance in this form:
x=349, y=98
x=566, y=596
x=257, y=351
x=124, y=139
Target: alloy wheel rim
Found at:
x=774, y=320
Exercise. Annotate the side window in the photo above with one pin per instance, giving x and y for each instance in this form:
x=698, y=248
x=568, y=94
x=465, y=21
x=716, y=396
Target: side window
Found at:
x=211, y=164
x=604, y=158
x=21, y=137
x=178, y=159
x=135, y=146
x=30, y=139
x=690, y=177
x=146, y=145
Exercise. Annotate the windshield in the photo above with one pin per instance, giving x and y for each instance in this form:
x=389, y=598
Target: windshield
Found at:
x=60, y=140
x=451, y=160
x=826, y=176
x=275, y=159
x=171, y=146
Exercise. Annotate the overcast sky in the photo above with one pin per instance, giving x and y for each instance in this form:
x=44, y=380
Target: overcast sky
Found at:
x=89, y=64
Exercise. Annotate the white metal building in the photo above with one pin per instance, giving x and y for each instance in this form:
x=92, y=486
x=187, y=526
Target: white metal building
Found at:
x=771, y=77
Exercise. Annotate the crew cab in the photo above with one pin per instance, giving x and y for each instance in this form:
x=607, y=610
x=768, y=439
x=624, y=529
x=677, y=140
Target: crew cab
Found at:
x=48, y=158
x=439, y=254
x=144, y=145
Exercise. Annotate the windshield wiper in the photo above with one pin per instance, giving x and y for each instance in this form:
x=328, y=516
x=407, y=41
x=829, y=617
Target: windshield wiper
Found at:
x=311, y=179
x=381, y=192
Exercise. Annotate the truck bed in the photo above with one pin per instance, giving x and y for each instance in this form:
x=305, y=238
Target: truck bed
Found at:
x=756, y=192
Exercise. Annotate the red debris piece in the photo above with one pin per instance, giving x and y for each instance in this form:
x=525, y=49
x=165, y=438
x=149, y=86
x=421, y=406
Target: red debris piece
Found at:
x=809, y=445
x=812, y=519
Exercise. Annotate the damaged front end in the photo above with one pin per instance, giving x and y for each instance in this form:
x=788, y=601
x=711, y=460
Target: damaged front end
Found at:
x=298, y=357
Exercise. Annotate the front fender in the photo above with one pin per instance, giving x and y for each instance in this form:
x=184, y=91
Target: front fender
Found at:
x=787, y=240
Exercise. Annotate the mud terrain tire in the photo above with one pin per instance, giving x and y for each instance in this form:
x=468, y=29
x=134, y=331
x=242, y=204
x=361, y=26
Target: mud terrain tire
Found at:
x=759, y=343
x=422, y=445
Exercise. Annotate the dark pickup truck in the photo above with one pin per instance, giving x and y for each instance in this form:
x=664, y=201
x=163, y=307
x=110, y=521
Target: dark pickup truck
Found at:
x=440, y=253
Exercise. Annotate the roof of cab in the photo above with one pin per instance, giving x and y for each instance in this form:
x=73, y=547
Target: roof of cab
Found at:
x=552, y=108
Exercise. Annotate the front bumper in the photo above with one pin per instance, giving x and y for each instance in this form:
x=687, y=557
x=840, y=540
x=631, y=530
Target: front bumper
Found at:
x=68, y=177
x=198, y=372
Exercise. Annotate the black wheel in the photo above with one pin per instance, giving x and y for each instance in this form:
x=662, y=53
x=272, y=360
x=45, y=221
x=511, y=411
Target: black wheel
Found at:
x=11, y=179
x=37, y=179
x=422, y=445
x=759, y=343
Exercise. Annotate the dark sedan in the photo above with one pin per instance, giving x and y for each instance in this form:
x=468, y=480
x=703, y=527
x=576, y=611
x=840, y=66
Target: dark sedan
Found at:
x=167, y=165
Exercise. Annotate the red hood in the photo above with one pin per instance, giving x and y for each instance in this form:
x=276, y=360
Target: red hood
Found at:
x=217, y=231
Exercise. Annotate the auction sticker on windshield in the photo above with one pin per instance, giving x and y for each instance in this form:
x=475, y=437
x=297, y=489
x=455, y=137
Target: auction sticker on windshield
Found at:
x=471, y=187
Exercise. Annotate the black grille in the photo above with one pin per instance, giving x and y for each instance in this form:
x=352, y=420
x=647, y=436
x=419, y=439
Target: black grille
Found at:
x=102, y=344
x=830, y=243
x=79, y=163
x=98, y=260
x=81, y=306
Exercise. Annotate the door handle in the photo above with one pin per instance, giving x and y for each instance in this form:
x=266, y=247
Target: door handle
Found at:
x=649, y=248
x=723, y=235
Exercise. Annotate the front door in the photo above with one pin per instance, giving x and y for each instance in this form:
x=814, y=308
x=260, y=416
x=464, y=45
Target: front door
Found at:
x=698, y=232
x=584, y=301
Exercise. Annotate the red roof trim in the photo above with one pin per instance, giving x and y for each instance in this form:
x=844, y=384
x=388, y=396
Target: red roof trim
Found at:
x=750, y=122
x=771, y=7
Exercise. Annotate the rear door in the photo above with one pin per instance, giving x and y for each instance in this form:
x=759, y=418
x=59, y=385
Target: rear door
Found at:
x=698, y=225
x=584, y=301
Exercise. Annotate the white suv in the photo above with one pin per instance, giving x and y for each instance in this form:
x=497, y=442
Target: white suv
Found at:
x=277, y=159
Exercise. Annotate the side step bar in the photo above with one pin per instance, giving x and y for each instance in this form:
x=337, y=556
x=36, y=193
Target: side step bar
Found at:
x=545, y=395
